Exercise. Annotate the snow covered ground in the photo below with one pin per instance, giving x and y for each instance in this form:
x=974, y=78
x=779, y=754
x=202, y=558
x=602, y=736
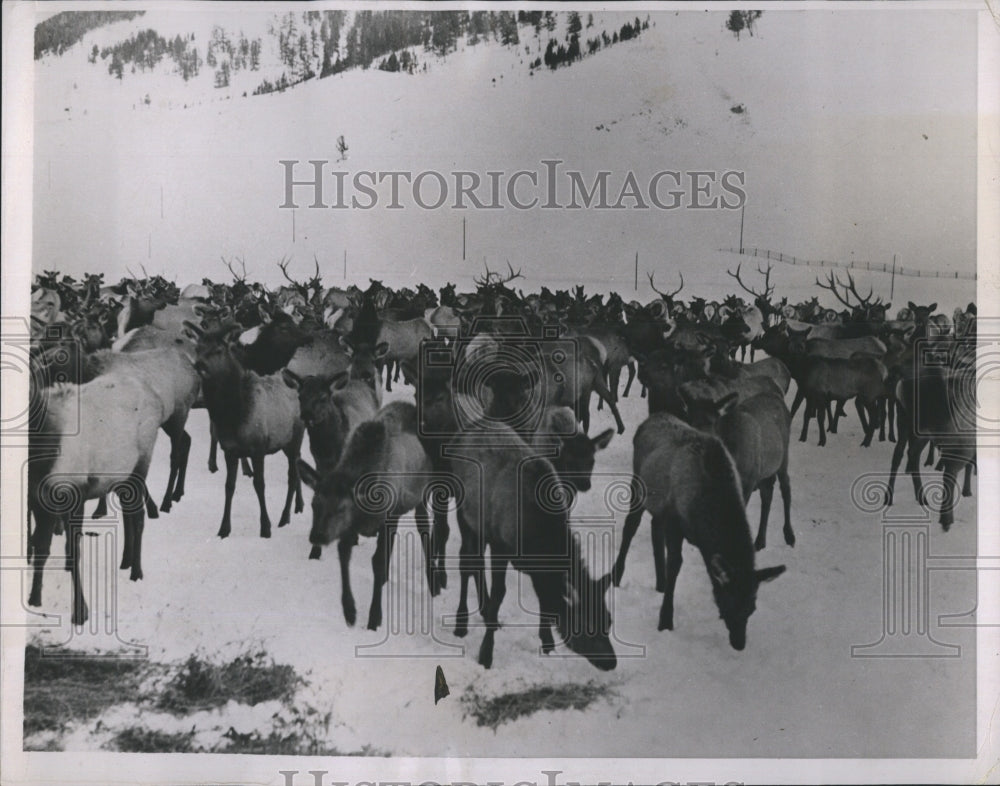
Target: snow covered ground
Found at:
x=795, y=690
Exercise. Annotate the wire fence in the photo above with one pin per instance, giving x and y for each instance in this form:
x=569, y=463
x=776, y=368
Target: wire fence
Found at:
x=873, y=267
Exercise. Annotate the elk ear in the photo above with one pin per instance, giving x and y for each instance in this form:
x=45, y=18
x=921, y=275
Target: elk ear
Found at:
x=193, y=330
x=912, y=305
x=381, y=350
x=719, y=570
x=308, y=474
x=339, y=381
x=600, y=442
x=932, y=307
x=292, y=379
x=768, y=574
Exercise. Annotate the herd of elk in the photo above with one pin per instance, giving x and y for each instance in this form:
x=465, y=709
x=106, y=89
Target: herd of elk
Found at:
x=271, y=367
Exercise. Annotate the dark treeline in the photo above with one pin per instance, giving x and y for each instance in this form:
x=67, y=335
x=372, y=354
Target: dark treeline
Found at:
x=58, y=33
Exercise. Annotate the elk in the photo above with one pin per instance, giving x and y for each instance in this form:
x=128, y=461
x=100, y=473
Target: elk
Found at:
x=332, y=407
x=502, y=509
x=863, y=311
x=688, y=482
x=253, y=416
x=572, y=387
x=382, y=474
x=755, y=431
x=403, y=342
x=88, y=441
x=751, y=320
x=930, y=407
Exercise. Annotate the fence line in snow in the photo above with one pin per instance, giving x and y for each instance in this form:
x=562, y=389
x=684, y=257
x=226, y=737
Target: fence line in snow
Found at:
x=873, y=267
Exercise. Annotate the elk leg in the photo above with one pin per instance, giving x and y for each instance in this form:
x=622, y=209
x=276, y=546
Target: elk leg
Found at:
x=439, y=538
x=891, y=410
x=380, y=570
x=675, y=541
x=632, y=520
x=182, y=471
x=948, y=498
x=470, y=566
x=866, y=426
x=809, y=412
x=915, y=447
x=605, y=394
x=930, y=456
x=246, y=467
x=134, y=525
x=498, y=589
x=424, y=532
x=833, y=416
x=642, y=392
x=799, y=398
x=258, y=487
x=294, y=490
x=880, y=407
x=344, y=546
x=388, y=376
x=102, y=507
x=232, y=466
x=41, y=544
x=786, y=499
x=631, y=377
x=766, y=489
x=175, y=455
x=967, y=484
x=821, y=410
x=213, y=465
x=897, y=457
x=659, y=566
x=75, y=534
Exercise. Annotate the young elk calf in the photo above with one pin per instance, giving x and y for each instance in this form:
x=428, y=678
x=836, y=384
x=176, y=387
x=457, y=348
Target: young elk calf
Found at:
x=253, y=416
x=90, y=440
x=755, y=431
x=383, y=461
x=688, y=482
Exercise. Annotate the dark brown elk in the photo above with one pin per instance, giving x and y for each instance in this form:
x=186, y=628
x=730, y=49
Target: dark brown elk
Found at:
x=755, y=431
x=572, y=387
x=382, y=474
x=688, y=482
x=936, y=406
x=403, y=340
x=253, y=416
x=502, y=480
x=88, y=441
x=823, y=380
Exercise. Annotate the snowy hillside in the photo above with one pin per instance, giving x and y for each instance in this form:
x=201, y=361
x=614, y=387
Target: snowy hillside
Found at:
x=841, y=161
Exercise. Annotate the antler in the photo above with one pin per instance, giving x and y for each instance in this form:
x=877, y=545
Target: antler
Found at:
x=831, y=285
x=236, y=277
x=665, y=295
x=316, y=282
x=768, y=287
x=863, y=302
x=283, y=264
x=833, y=282
x=493, y=278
